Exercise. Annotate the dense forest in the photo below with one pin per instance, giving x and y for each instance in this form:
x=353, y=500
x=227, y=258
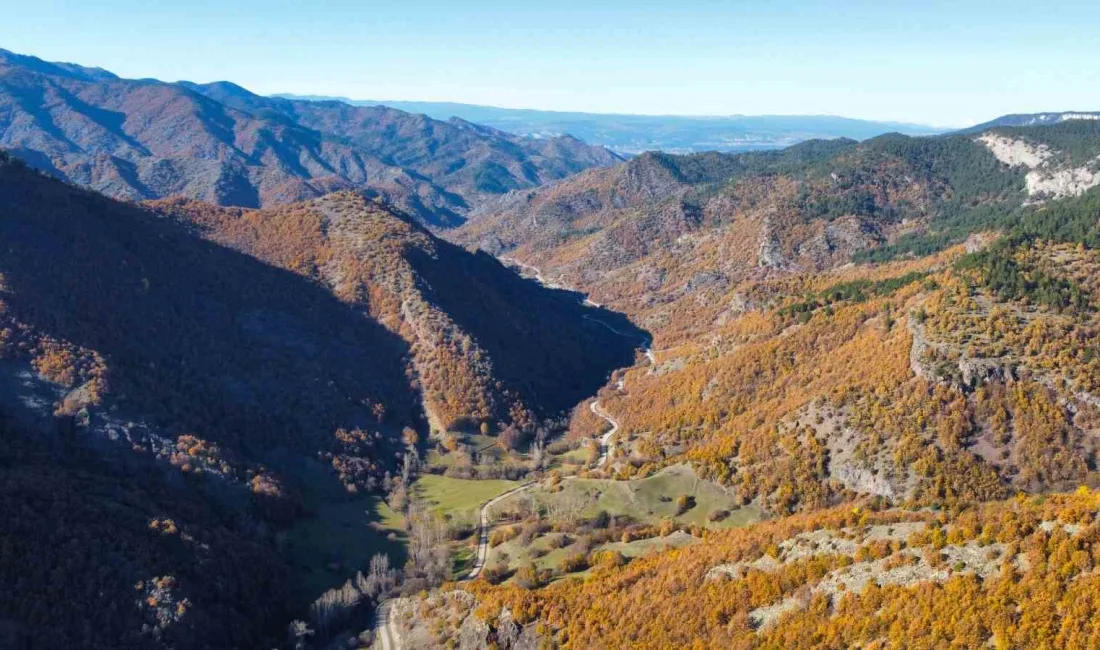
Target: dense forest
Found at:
x=883, y=413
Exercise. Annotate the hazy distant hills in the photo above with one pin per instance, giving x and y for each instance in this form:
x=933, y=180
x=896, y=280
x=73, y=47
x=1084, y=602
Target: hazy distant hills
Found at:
x=634, y=134
x=147, y=139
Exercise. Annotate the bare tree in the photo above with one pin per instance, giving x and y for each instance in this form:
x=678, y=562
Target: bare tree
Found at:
x=538, y=455
x=334, y=605
x=566, y=506
x=398, y=498
x=410, y=463
x=429, y=559
x=380, y=578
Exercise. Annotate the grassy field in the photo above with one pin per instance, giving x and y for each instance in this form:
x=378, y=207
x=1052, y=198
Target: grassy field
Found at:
x=456, y=498
x=653, y=499
x=640, y=547
x=540, y=551
x=340, y=534
x=486, y=449
x=544, y=555
x=648, y=501
x=343, y=532
x=571, y=461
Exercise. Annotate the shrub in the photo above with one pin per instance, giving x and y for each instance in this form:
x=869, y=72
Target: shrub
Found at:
x=718, y=515
x=530, y=577
x=495, y=574
x=684, y=503
x=574, y=563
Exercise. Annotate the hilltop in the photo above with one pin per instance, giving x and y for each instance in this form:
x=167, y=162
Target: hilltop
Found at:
x=1033, y=119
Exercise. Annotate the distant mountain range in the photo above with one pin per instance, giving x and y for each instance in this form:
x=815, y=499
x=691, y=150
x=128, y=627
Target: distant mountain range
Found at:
x=148, y=139
x=634, y=134
x=1034, y=119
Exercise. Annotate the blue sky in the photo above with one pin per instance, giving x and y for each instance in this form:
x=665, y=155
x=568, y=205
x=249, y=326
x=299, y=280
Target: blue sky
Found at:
x=941, y=63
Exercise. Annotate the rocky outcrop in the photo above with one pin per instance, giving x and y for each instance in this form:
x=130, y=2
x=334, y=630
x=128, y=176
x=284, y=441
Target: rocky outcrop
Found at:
x=934, y=361
x=1046, y=180
x=770, y=253
x=1013, y=152
x=861, y=480
x=1062, y=183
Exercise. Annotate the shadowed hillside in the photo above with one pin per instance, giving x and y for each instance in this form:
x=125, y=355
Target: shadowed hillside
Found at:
x=486, y=345
x=179, y=369
x=200, y=337
x=153, y=562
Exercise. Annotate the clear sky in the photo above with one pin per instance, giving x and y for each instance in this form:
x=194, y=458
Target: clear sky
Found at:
x=932, y=62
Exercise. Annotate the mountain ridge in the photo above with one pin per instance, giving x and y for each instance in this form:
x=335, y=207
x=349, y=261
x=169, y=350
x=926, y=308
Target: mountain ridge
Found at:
x=1032, y=119
x=146, y=139
x=723, y=257
x=889, y=348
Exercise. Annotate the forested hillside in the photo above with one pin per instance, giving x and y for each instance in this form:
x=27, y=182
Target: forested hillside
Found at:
x=792, y=374
x=877, y=344
x=112, y=553
x=487, y=347
x=207, y=381
x=660, y=230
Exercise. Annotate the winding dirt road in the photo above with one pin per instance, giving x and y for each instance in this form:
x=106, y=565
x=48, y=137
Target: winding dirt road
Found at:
x=384, y=627
x=483, y=529
x=606, y=446
x=549, y=284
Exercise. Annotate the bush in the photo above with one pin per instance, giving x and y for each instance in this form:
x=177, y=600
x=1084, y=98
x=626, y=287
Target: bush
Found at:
x=530, y=577
x=718, y=515
x=574, y=563
x=502, y=535
x=495, y=575
x=684, y=503
x=607, y=559
x=601, y=520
